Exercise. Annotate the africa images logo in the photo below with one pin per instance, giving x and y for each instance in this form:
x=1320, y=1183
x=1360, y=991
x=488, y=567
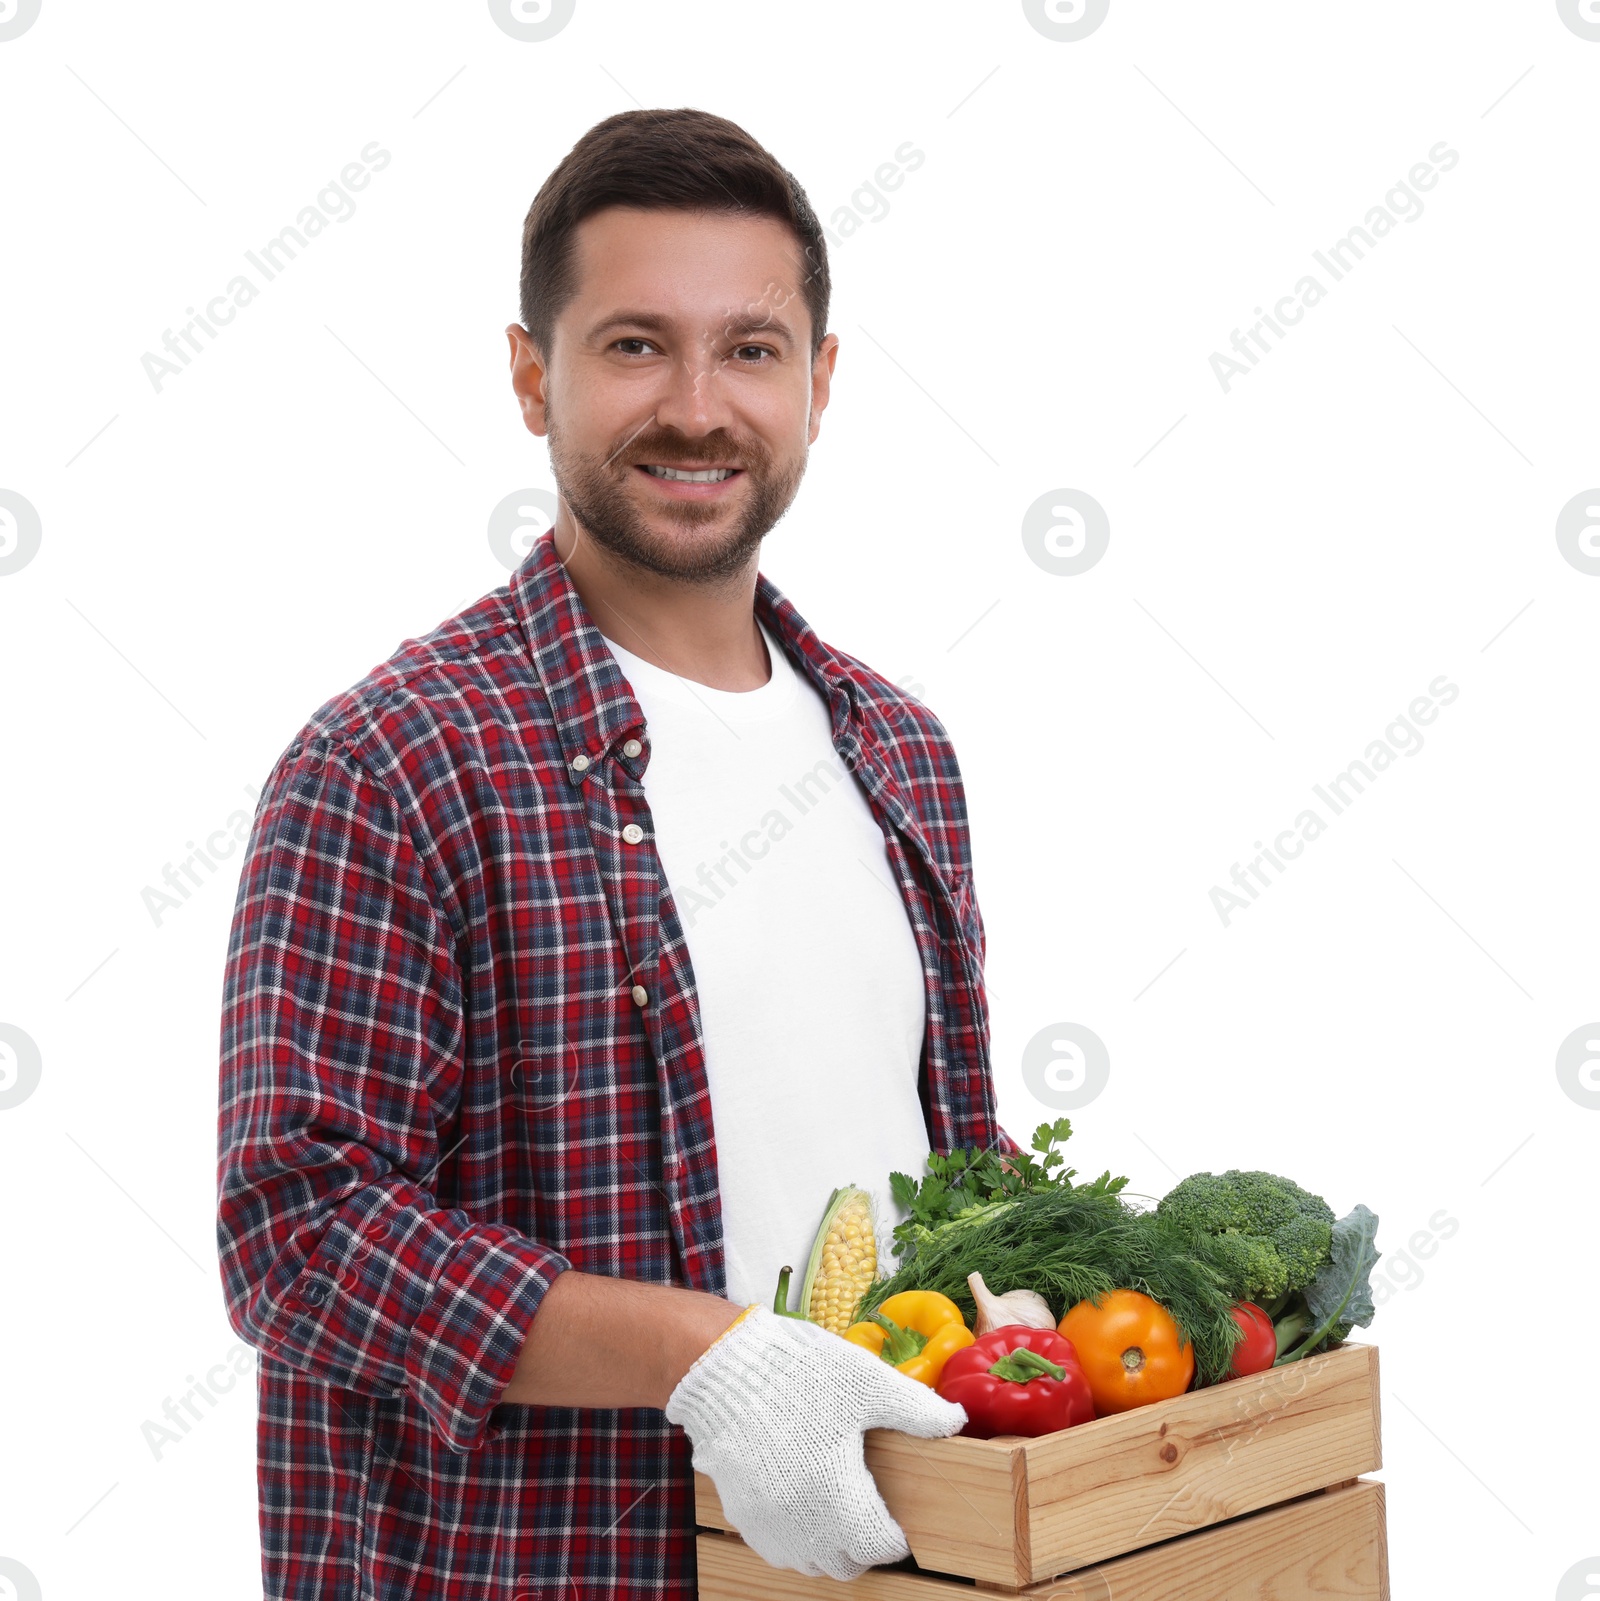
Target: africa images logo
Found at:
x=1578, y=532
x=1401, y=738
x=1403, y=203
x=18, y=1581
x=532, y=21
x=21, y=533
x=21, y=1066
x=1582, y=16
x=16, y=17
x=517, y=521
x=334, y=202
x=1066, y=21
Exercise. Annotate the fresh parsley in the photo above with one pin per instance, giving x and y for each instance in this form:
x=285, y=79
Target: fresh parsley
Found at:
x=967, y=1183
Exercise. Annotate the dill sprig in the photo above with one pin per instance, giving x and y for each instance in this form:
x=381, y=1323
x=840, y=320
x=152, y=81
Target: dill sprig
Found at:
x=960, y=1185
x=1070, y=1245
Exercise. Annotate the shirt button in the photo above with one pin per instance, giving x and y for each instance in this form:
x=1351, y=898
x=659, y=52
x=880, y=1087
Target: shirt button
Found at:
x=632, y=748
x=633, y=833
x=640, y=994
x=580, y=762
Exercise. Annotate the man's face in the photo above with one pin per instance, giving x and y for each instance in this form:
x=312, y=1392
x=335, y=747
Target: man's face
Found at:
x=686, y=346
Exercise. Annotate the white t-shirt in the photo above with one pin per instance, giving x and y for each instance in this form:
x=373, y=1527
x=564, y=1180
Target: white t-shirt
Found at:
x=809, y=980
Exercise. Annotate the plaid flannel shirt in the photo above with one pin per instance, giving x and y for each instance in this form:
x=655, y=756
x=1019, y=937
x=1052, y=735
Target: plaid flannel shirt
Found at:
x=461, y=1052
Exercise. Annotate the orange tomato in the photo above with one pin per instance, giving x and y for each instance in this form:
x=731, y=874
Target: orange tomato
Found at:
x=1130, y=1349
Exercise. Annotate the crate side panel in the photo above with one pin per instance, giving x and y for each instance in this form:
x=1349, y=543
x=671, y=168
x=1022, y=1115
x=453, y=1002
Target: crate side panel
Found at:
x=962, y=1512
x=1112, y=1486
x=1330, y=1544
x=960, y=1502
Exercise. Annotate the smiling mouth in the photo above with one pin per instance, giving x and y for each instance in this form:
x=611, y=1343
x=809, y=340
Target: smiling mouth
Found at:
x=683, y=475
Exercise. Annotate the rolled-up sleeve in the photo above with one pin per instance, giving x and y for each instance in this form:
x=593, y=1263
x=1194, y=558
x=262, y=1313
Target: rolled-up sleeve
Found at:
x=342, y=1060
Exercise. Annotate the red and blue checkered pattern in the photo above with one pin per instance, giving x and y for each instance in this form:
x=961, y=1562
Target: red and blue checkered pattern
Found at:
x=438, y=1090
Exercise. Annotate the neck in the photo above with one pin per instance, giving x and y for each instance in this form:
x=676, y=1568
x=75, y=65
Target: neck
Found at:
x=701, y=631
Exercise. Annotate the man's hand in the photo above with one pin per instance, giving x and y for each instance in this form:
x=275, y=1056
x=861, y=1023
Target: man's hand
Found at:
x=775, y=1409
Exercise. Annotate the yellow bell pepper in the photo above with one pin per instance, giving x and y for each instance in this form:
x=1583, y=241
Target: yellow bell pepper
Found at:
x=917, y=1331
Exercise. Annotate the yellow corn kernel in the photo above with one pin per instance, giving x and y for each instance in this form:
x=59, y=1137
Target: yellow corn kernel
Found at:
x=844, y=1260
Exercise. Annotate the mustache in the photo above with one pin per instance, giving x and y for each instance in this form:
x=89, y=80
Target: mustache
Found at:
x=666, y=454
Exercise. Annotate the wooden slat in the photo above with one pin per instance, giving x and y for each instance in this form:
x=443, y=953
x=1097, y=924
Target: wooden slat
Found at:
x=1124, y=1482
x=1333, y=1543
x=731, y=1571
x=1329, y=1544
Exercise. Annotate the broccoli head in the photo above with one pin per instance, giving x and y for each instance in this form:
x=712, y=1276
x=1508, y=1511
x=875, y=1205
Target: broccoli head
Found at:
x=1263, y=1234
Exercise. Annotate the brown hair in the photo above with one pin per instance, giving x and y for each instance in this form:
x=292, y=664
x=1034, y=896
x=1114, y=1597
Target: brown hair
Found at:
x=662, y=160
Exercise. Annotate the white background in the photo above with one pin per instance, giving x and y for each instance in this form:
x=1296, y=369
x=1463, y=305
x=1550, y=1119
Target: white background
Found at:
x=1290, y=564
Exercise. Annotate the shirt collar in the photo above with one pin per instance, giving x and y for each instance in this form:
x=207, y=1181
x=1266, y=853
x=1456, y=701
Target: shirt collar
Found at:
x=594, y=709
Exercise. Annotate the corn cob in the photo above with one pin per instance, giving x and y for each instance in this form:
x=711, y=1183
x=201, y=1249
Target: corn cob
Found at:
x=844, y=1260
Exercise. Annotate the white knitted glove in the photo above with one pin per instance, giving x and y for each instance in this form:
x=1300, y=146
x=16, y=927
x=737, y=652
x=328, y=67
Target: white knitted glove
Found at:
x=774, y=1409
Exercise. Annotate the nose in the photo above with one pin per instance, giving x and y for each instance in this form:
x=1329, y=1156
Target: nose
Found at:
x=692, y=398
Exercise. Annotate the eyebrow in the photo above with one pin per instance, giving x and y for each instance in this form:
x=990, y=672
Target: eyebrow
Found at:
x=735, y=326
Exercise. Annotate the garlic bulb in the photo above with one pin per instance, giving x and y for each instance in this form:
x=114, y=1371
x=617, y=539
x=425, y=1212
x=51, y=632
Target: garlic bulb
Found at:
x=1016, y=1306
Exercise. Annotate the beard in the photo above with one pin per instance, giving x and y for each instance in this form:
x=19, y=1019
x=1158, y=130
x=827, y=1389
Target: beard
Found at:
x=697, y=541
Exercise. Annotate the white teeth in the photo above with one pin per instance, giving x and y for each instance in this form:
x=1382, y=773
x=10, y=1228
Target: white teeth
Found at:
x=714, y=476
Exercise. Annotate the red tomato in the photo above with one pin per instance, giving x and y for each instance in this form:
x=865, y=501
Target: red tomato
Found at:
x=1258, y=1350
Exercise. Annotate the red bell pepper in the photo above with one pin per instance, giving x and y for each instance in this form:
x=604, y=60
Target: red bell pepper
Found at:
x=1018, y=1380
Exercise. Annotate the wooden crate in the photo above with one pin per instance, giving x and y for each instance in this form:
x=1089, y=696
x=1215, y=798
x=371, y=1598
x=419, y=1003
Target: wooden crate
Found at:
x=1246, y=1489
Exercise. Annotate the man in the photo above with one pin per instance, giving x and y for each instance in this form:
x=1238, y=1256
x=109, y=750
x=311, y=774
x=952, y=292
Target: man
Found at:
x=581, y=949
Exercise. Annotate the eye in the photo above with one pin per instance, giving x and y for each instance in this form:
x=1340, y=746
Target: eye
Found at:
x=632, y=339
x=760, y=349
